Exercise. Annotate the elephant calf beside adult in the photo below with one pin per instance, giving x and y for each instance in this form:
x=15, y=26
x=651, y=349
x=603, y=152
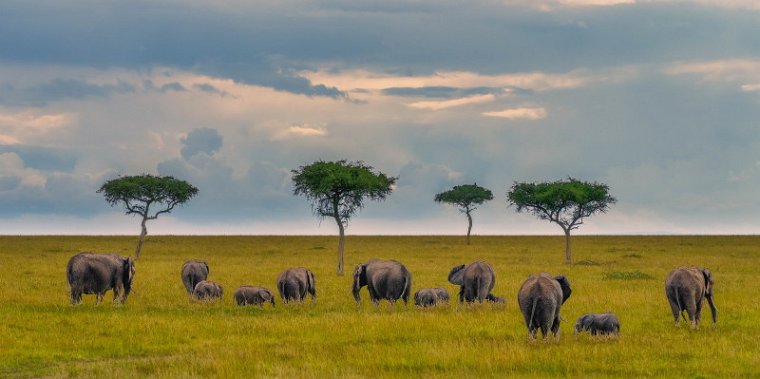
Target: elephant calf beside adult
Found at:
x=475, y=281
x=389, y=280
x=428, y=297
x=253, y=295
x=294, y=283
x=598, y=324
x=686, y=289
x=89, y=273
x=207, y=290
x=193, y=272
x=540, y=298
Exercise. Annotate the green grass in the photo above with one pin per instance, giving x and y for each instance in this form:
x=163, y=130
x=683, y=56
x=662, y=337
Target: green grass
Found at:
x=159, y=333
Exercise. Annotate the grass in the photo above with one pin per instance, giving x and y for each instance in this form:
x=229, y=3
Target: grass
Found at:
x=159, y=333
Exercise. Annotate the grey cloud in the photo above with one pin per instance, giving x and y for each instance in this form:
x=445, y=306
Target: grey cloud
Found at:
x=208, y=88
x=201, y=140
x=175, y=86
x=44, y=158
x=59, y=89
x=8, y=182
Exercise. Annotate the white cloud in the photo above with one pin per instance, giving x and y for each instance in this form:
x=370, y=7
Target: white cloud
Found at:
x=751, y=87
x=518, y=113
x=300, y=131
x=16, y=128
x=443, y=104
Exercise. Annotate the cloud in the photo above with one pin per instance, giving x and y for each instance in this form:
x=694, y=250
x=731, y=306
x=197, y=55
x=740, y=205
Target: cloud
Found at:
x=208, y=88
x=43, y=158
x=57, y=90
x=443, y=104
x=300, y=131
x=751, y=87
x=518, y=113
x=201, y=140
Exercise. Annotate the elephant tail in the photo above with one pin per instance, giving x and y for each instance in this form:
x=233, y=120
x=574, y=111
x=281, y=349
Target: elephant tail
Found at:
x=532, y=312
x=281, y=290
x=680, y=308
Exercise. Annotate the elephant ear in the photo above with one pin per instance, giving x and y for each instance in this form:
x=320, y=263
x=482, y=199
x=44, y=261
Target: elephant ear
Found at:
x=208, y=271
x=456, y=276
x=360, y=276
x=565, y=284
x=129, y=268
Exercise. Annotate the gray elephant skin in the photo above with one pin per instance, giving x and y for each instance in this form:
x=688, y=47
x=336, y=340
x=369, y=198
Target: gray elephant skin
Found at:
x=294, y=283
x=495, y=299
x=193, y=272
x=253, y=295
x=389, y=280
x=428, y=297
x=540, y=298
x=90, y=273
x=208, y=290
x=686, y=289
x=598, y=324
x=475, y=281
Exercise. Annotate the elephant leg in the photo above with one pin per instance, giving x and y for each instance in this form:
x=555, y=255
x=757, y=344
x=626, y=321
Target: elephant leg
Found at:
x=675, y=309
x=555, y=325
x=76, y=296
x=99, y=297
x=698, y=313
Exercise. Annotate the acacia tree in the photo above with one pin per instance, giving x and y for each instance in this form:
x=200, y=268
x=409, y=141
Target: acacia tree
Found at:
x=338, y=189
x=147, y=196
x=564, y=202
x=466, y=197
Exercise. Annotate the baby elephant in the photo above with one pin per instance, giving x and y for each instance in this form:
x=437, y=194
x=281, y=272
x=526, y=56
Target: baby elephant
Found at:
x=207, y=290
x=253, y=295
x=428, y=297
x=598, y=323
x=495, y=299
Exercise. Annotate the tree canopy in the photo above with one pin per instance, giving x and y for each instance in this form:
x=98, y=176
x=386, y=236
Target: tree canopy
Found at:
x=338, y=190
x=466, y=197
x=564, y=202
x=147, y=196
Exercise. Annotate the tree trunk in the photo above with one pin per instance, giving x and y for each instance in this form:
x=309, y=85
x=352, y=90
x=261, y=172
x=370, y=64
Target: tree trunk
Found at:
x=567, y=245
x=142, y=237
x=469, y=227
x=341, y=242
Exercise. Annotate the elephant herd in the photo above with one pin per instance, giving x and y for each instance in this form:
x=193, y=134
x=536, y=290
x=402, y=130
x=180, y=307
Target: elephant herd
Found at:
x=540, y=297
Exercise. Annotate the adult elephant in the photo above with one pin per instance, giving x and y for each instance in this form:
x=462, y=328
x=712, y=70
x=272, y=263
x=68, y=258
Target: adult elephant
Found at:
x=686, y=289
x=540, y=298
x=207, y=290
x=389, y=280
x=192, y=273
x=90, y=273
x=475, y=281
x=295, y=283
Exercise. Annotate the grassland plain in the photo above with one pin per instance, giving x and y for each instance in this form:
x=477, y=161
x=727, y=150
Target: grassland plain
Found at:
x=159, y=333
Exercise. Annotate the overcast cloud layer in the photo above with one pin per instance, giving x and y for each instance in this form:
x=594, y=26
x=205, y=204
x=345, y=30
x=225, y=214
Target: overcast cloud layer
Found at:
x=658, y=99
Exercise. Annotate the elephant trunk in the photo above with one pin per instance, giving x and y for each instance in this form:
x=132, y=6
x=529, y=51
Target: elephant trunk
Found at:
x=355, y=292
x=713, y=310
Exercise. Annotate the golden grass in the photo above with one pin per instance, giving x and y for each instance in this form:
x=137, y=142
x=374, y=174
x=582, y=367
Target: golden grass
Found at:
x=159, y=333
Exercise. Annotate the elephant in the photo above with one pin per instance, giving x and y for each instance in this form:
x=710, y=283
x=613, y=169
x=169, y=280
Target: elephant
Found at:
x=686, y=289
x=295, y=283
x=475, y=281
x=207, y=290
x=389, y=280
x=540, y=298
x=90, y=273
x=495, y=299
x=427, y=297
x=598, y=323
x=253, y=295
x=193, y=272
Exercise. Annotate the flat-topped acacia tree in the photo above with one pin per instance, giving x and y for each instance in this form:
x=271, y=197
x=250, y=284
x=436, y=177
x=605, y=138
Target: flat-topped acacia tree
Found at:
x=466, y=197
x=338, y=190
x=147, y=196
x=564, y=202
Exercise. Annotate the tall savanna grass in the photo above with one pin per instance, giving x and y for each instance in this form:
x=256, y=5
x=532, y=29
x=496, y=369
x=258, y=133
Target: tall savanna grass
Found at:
x=159, y=332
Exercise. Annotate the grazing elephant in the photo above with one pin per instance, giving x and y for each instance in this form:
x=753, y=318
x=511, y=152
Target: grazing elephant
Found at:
x=388, y=280
x=253, y=295
x=495, y=299
x=193, y=272
x=90, y=273
x=540, y=298
x=207, y=290
x=598, y=323
x=686, y=289
x=427, y=297
x=294, y=283
x=475, y=281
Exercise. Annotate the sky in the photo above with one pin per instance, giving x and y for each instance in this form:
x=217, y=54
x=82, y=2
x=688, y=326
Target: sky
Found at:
x=658, y=99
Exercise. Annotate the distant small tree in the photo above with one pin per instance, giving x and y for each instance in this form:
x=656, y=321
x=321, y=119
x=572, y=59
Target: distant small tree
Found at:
x=147, y=196
x=338, y=189
x=466, y=197
x=564, y=202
